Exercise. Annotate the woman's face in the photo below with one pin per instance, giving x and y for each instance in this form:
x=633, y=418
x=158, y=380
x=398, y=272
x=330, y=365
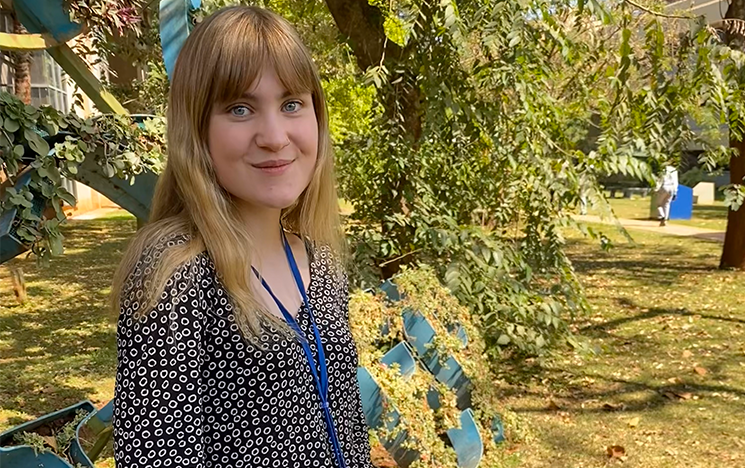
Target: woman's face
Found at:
x=264, y=145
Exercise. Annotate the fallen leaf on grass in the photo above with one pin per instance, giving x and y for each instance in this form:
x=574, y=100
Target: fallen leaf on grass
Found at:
x=616, y=451
x=633, y=422
x=687, y=354
x=674, y=380
x=670, y=395
x=553, y=406
x=700, y=371
x=611, y=407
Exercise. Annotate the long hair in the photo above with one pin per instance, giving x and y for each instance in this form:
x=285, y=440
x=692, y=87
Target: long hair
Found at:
x=220, y=60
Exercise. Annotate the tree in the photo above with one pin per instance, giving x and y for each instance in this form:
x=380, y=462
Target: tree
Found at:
x=733, y=252
x=479, y=150
x=21, y=68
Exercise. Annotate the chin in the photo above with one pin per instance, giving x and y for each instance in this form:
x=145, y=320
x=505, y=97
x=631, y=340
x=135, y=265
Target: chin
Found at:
x=280, y=203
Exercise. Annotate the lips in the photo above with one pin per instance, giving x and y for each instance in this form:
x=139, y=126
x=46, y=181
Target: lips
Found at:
x=272, y=163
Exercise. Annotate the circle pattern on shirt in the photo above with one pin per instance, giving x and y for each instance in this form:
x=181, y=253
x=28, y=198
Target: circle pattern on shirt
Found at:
x=190, y=392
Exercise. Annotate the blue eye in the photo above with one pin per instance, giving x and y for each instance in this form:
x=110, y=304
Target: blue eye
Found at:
x=240, y=111
x=292, y=106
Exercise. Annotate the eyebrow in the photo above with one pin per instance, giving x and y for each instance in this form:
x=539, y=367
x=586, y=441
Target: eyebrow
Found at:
x=254, y=97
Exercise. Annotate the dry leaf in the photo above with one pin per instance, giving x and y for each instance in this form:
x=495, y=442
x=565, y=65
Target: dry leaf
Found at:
x=611, y=407
x=700, y=371
x=687, y=354
x=616, y=451
x=633, y=422
x=553, y=406
x=674, y=380
x=51, y=441
x=670, y=395
x=684, y=395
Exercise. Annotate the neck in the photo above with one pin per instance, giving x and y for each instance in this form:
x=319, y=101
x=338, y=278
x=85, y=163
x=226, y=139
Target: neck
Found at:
x=263, y=227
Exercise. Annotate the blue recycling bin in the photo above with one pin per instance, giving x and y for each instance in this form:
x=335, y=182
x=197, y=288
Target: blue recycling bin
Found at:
x=680, y=208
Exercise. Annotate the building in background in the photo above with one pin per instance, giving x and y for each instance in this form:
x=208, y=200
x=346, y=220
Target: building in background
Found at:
x=50, y=86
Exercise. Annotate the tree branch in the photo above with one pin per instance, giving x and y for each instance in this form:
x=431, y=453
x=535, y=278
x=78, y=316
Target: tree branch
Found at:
x=660, y=14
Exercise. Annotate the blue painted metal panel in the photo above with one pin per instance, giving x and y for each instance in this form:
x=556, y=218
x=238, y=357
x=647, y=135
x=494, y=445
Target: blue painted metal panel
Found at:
x=374, y=404
x=10, y=244
x=134, y=198
x=46, y=16
x=401, y=355
x=24, y=457
x=420, y=335
x=497, y=429
x=391, y=290
x=175, y=26
x=467, y=441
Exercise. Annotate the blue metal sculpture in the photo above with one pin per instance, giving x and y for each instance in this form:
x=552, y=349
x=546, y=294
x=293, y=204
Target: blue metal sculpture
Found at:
x=467, y=441
x=175, y=26
x=401, y=355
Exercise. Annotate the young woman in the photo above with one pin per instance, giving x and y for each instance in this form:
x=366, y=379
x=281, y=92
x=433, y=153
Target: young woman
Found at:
x=233, y=343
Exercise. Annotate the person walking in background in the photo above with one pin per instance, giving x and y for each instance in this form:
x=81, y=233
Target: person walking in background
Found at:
x=666, y=192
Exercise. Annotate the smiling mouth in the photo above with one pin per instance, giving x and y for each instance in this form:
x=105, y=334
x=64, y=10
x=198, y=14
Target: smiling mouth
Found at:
x=273, y=164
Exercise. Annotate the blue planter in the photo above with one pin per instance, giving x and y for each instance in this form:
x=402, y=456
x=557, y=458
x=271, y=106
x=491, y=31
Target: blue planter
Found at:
x=23, y=456
x=98, y=425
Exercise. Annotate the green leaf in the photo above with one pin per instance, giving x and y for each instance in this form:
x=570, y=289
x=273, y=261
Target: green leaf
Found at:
x=18, y=150
x=36, y=142
x=503, y=340
x=66, y=196
x=55, y=244
x=11, y=125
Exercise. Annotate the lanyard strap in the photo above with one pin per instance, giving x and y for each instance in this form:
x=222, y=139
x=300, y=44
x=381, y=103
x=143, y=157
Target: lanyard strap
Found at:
x=321, y=382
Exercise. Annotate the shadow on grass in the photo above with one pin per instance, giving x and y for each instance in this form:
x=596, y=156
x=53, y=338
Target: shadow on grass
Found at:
x=710, y=211
x=663, y=266
x=606, y=390
x=66, y=333
x=652, y=313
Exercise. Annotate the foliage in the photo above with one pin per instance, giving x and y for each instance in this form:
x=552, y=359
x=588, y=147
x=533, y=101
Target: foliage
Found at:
x=103, y=20
x=118, y=146
x=521, y=106
x=423, y=292
x=58, y=443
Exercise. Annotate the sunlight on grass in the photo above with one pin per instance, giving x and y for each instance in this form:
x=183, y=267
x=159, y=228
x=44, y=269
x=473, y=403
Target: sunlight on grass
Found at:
x=704, y=216
x=666, y=381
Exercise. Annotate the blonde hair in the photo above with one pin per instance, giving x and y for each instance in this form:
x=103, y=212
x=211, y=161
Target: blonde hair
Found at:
x=219, y=61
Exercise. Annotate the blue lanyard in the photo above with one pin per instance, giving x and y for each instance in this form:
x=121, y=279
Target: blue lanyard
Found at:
x=322, y=381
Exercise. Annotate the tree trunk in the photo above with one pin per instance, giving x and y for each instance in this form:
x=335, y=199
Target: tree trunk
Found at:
x=362, y=24
x=733, y=253
x=21, y=68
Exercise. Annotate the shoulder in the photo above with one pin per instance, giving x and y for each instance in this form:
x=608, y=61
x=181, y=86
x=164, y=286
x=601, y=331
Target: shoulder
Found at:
x=167, y=267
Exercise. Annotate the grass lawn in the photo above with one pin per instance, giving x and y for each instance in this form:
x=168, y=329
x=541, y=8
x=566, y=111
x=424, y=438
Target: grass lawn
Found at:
x=667, y=384
x=704, y=216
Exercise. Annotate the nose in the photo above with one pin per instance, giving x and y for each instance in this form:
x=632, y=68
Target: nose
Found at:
x=272, y=134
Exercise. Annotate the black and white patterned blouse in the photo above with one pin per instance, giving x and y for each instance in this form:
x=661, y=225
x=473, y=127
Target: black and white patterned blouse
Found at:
x=190, y=392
